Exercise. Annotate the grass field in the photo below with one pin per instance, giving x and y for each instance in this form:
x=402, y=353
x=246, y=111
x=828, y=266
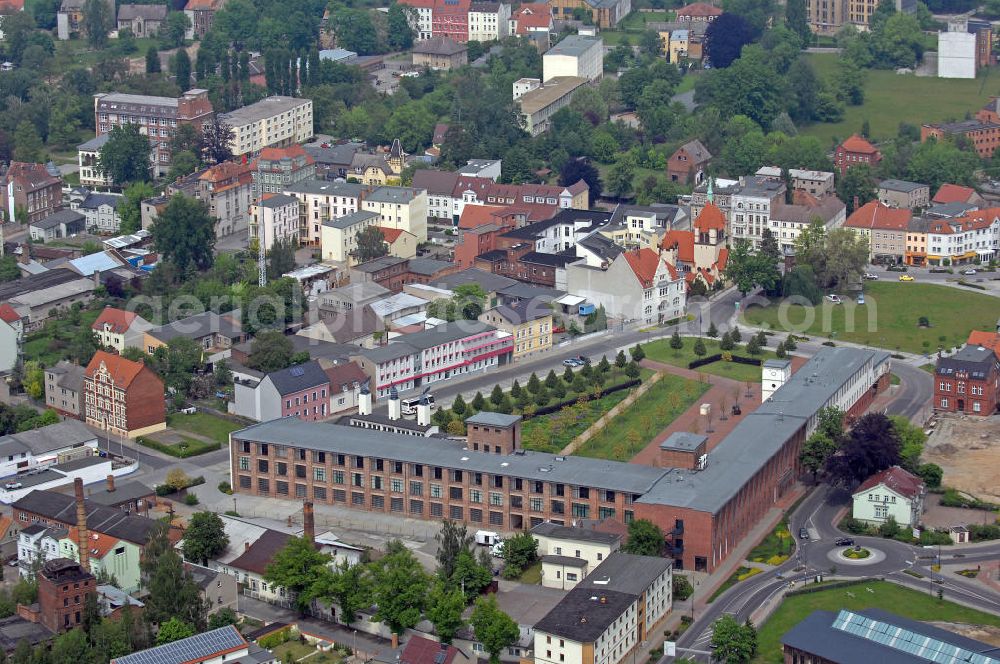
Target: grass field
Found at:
x=890, y=317
x=532, y=575
x=633, y=429
x=891, y=99
x=204, y=424
x=661, y=351
x=186, y=447
x=888, y=596
x=48, y=345
x=554, y=432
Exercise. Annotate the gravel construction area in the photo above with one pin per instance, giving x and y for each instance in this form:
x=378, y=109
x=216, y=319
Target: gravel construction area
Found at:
x=968, y=449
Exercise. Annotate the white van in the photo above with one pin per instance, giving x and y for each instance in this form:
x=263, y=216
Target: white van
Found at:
x=409, y=404
x=487, y=537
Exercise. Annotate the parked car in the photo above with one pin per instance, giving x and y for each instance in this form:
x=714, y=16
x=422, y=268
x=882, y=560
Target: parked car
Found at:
x=870, y=276
x=803, y=533
x=845, y=541
x=572, y=362
x=906, y=277
x=861, y=298
x=970, y=271
x=833, y=298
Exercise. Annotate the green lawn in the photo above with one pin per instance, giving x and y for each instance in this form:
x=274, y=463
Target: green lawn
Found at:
x=777, y=543
x=888, y=596
x=628, y=433
x=554, y=432
x=204, y=424
x=49, y=344
x=186, y=447
x=532, y=576
x=293, y=651
x=894, y=309
x=929, y=367
x=661, y=351
x=891, y=99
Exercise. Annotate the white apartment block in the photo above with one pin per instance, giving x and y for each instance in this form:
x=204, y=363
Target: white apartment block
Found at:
x=964, y=239
x=488, y=21
x=321, y=200
x=275, y=219
x=404, y=208
x=339, y=236
x=271, y=122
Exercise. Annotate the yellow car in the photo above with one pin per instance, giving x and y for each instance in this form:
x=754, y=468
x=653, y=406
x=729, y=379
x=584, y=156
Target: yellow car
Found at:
x=905, y=277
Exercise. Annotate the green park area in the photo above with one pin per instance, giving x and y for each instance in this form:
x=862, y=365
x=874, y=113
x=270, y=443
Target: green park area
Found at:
x=635, y=427
x=911, y=604
x=660, y=351
x=901, y=316
x=205, y=425
x=62, y=337
x=892, y=98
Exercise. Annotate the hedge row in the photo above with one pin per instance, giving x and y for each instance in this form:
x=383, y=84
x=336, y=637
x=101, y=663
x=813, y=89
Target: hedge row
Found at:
x=555, y=407
x=819, y=587
x=718, y=356
x=193, y=448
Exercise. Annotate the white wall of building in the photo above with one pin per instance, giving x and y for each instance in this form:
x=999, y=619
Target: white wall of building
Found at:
x=956, y=55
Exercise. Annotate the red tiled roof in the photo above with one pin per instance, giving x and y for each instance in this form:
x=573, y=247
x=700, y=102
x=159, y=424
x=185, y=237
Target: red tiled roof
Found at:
x=8, y=7
x=578, y=187
x=225, y=171
x=419, y=650
x=292, y=151
x=710, y=218
x=902, y=482
x=683, y=241
x=120, y=321
x=100, y=544
x=122, y=371
x=953, y=193
x=875, y=215
x=8, y=314
x=345, y=374
x=536, y=15
x=440, y=129
x=645, y=263
x=193, y=5
x=699, y=9
x=723, y=259
x=858, y=144
x=390, y=234
x=986, y=340
x=474, y=216
x=974, y=220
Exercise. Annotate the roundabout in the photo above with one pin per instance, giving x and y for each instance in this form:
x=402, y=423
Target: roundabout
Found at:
x=856, y=555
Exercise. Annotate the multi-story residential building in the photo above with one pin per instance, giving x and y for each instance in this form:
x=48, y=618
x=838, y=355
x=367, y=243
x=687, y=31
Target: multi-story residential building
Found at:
x=699, y=12
x=788, y=220
x=99, y=210
x=637, y=285
x=211, y=331
x=968, y=382
x=816, y=183
x=275, y=218
x=955, y=193
x=488, y=21
x=892, y=493
x=403, y=208
x=393, y=273
x=576, y=55
x=750, y=206
x=687, y=163
x=448, y=193
x=31, y=192
x=157, y=117
x=884, y=227
x=123, y=397
x=603, y=13
x=11, y=336
x=59, y=224
x=826, y=17
x=271, y=122
x=201, y=14
x=63, y=586
x=569, y=554
x=859, y=12
x=916, y=241
x=302, y=390
x=87, y=155
x=275, y=169
x=856, y=150
x=450, y=18
x=227, y=190
x=705, y=515
x=321, y=200
x=528, y=322
x=606, y=618
x=440, y=53
x=531, y=18
x=422, y=358
x=903, y=194
x=119, y=329
x=339, y=235
x=643, y=226
x=422, y=19
x=64, y=388
x=144, y=21
x=975, y=235
x=543, y=101
x=983, y=136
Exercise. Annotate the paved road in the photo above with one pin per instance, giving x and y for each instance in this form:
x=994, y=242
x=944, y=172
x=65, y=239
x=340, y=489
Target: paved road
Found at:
x=818, y=556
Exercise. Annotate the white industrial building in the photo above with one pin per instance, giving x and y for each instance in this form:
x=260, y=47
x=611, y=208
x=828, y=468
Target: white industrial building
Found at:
x=575, y=55
x=957, y=52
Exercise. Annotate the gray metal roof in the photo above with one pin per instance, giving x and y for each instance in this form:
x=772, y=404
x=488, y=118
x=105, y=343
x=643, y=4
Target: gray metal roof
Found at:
x=683, y=440
x=94, y=144
x=124, y=492
x=427, y=266
x=761, y=434
x=278, y=200
x=265, y=108
x=399, y=195
x=578, y=471
x=555, y=531
x=192, y=649
x=326, y=188
x=197, y=327
x=567, y=561
x=352, y=219
x=627, y=573
x=298, y=377
x=489, y=281
x=60, y=435
x=574, y=45
x=900, y=185
x=493, y=419
x=60, y=217
x=443, y=334
x=386, y=353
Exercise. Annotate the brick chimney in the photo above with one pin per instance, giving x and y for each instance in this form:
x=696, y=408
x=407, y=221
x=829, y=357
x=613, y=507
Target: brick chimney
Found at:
x=82, y=537
x=395, y=641
x=308, y=521
x=111, y=483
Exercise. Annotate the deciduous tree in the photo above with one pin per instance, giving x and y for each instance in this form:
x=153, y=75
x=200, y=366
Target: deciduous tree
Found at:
x=445, y=605
x=297, y=568
x=399, y=588
x=125, y=157
x=871, y=446
x=270, y=351
x=644, y=538
x=184, y=234
x=204, y=538
x=493, y=628
x=725, y=38
x=732, y=642
x=370, y=244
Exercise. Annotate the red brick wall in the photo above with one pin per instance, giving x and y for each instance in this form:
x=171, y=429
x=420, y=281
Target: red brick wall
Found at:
x=144, y=401
x=947, y=389
x=305, y=404
x=491, y=439
x=61, y=604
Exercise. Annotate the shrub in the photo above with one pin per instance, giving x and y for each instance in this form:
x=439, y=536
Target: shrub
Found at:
x=853, y=526
x=682, y=588
x=923, y=321
x=190, y=499
x=776, y=560
x=226, y=488
x=753, y=571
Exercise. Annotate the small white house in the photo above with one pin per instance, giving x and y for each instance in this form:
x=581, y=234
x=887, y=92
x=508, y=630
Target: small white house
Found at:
x=893, y=492
x=569, y=554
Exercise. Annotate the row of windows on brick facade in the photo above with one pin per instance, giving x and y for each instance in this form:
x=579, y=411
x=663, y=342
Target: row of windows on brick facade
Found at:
x=976, y=390
x=976, y=406
x=416, y=506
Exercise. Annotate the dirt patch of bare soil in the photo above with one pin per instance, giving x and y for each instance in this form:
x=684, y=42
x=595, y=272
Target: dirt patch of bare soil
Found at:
x=968, y=449
x=985, y=633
